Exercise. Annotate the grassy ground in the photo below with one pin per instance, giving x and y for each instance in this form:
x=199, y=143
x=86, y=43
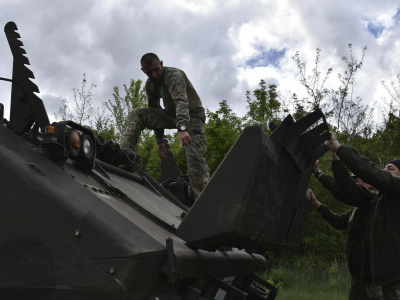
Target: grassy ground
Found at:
x=297, y=283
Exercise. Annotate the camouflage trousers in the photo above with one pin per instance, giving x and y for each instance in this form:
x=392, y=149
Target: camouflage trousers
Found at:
x=153, y=118
x=390, y=291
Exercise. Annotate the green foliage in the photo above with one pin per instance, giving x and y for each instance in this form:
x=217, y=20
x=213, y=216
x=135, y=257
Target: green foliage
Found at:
x=178, y=152
x=149, y=158
x=340, y=106
x=331, y=283
x=393, y=91
x=83, y=112
x=265, y=108
x=222, y=130
x=120, y=107
x=386, y=141
x=385, y=144
x=344, y=106
x=82, y=109
x=279, y=277
x=300, y=107
x=314, y=84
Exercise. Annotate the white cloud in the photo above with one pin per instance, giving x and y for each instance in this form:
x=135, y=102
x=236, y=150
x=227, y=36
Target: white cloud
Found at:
x=210, y=40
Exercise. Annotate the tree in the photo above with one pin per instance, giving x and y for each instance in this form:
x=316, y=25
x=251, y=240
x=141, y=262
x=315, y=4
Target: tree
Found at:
x=102, y=124
x=393, y=91
x=84, y=113
x=344, y=111
x=264, y=108
x=222, y=130
x=345, y=106
x=121, y=107
x=83, y=104
x=314, y=84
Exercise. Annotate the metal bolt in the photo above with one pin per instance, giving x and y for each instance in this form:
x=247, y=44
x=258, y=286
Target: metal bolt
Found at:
x=78, y=233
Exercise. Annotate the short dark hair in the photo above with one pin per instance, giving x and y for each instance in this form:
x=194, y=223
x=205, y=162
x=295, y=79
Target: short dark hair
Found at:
x=148, y=58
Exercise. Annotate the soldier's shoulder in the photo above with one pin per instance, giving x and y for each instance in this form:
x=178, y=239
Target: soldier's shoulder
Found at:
x=173, y=73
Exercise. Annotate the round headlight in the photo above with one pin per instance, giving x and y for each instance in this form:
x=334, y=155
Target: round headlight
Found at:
x=87, y=146
x=73, y=142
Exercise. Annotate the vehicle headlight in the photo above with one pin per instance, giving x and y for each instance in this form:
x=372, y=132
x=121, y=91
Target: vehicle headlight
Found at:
x=73, y=142
x=87, y=146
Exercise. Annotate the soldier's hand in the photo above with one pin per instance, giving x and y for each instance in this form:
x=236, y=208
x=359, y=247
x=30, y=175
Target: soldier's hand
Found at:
x=184, y=138
x=313, y=200
x=333, y=142
x=162, y=151
x=316, y=166
x=335, y=156
x=334, y=136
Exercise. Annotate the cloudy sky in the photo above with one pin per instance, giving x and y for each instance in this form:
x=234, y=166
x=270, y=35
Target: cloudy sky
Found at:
x=225, y=47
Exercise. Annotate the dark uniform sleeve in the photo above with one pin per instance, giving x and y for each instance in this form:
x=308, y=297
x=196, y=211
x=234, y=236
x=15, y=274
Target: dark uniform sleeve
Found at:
x=153, y=101
x=382, y=180
x=358, y=195
x=338, y=221
x=177, y=87
x=329, y=183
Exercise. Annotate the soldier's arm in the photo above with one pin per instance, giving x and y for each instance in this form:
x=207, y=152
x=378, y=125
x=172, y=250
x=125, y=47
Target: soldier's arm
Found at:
x=358, y=194
x=338, y=221
x=382, y=180
x=329, y=183
x=177, y=87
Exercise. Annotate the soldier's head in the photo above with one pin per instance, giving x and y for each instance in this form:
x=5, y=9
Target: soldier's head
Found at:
x=152, y=66
x=393, y=167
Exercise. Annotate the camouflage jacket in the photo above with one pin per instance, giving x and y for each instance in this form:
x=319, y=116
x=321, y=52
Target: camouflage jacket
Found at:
x=180, y=99
x=381, y=263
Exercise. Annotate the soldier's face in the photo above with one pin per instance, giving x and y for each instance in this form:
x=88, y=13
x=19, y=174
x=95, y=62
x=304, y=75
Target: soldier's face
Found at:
x=392, y=169
x=153, y=70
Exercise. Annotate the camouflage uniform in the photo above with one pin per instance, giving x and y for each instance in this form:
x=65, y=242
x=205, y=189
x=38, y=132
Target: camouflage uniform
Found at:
x=182, y=106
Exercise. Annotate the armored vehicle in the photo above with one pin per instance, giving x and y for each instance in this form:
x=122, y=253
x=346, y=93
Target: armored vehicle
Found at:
x=73, y=225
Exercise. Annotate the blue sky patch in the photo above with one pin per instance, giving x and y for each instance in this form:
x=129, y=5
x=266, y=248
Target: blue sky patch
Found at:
x=396, y=17
x=266, y=58
x=374, y=27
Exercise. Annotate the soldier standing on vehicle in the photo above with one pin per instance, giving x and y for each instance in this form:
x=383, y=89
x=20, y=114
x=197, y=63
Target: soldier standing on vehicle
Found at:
x=182, y=110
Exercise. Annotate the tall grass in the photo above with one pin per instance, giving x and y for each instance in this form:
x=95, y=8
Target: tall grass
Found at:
x=310, y=283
